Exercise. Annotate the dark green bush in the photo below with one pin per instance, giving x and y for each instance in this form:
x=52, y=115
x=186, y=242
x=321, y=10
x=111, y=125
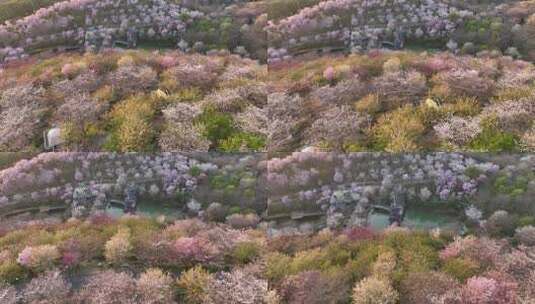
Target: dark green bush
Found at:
x=217, y=126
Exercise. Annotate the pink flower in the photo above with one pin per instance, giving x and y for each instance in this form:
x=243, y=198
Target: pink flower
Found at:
x=71, y=254
x=494, y=288
x=66, y=69
x=329, y=73
x=193, y=250
x=359, y=233
x=168, y=61
x=25, y=256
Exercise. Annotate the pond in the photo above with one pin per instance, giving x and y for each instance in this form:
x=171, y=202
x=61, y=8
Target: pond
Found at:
x=421, y=219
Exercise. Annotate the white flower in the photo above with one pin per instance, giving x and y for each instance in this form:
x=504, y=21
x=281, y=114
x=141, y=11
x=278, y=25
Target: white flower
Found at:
x=452, y=45
x=473, y=213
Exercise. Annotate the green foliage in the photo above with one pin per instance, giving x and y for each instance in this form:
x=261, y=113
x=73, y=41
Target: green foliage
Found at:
x=491, y=139
x=472, y=172
x=52, y=66
x=234, y=210
x=79, y=135
x=399, y=131
x=513, y=185
x=217, y=126
x=195, y=171
x=131, y=125
x=527, y=220
x=360, y=266
x=245, y=252
x=477, y=25
x=461, y=268
x=223, y=180
x=416, y=252
x=11, y=272
x=193, y=284
x=192, y=94
x=237, y=141
x=277, y=266
x=464, y=106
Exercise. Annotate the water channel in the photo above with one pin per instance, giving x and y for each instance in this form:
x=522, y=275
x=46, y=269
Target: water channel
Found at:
x=415, y=218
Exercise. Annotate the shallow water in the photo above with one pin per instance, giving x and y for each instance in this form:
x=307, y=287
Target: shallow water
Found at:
x=418, y=219
x=421, y=219
x=152, y=209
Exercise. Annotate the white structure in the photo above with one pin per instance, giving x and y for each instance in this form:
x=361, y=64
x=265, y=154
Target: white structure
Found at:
x=52, y=138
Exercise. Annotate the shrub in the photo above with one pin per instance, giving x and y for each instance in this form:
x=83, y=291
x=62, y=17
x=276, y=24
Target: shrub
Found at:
x=193, y=285
x=131, y=125
x=422, y=287
x=241, y=141
x=338, y=126
x=399, y=88
x=216, y=126
x=48, y=288
x=384, y=266
x=329, y=74
x=359, y=233
x=500, y=223
x=457, y=130
x=253, y=120
x=457, y=83
x=372, y=290
x=215, y=212
x=154, y=287
x=463, y=107
x=245, y=252
x=392, y=65
x=181, y=137
x=102, y=63
x=528, y=140
x=197, y=71
x=399, y=131
x=315, y=287
x=461, y=268
x=129, y=78
x=39, y=258
x=241, y=221
x=237, y=286
x=70, y=253
x=192, y=250
x=492, y=139
x=526, y=235
x=277, y=266
x=108, y=287
x=511, y=116
x=493, y=289
x=526, y=221
x=8, y=294
x=369, y=104
x=23, y=107
x=11, y=272
x=118, y=248
x=225, y=101
x=71, y=70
